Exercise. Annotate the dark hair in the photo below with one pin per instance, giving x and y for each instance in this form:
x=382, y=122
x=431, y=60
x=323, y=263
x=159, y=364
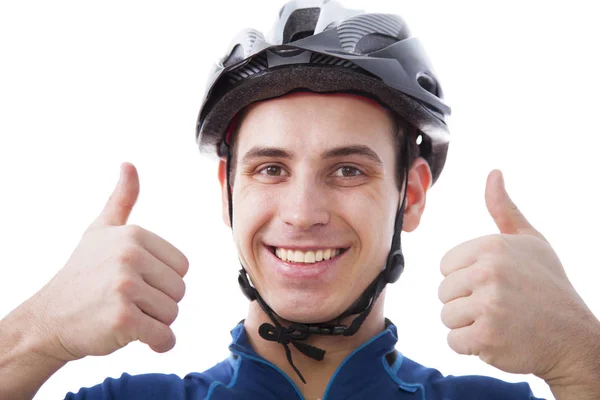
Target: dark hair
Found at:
x=401, y=127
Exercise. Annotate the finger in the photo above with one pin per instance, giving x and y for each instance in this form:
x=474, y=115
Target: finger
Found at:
x=120, y=203
x=461, y=256
x=506, y=214
x=461, y=341
x=459, y=313
x=457, y=284
x=153, y=302
x=155, y=334
x=160, y=276
x=161, y=249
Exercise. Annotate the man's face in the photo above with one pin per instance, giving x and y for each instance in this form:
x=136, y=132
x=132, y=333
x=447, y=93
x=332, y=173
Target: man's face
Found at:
x=314, y=179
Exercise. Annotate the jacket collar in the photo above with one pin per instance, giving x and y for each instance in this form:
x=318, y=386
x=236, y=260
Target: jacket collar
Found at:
x=366, y=367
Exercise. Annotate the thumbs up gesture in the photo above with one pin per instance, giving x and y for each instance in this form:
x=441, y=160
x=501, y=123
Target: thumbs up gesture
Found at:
x=508, y=300
x=122, y=283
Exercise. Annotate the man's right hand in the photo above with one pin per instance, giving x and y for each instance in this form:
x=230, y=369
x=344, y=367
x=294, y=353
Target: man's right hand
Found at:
x=122, y=283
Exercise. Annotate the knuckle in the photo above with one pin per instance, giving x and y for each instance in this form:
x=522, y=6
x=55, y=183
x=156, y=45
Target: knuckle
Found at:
x=130, y=255
x=492, y=302
x=492, y=272
x=495, y=272
x=126, y=287
x=481, y=275
x=487, y=307
x=124, y=319
x=495, y=244
x=134, y=232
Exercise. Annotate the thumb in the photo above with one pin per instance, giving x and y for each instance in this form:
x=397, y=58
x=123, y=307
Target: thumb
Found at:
x=123, y=198
x=505, y=213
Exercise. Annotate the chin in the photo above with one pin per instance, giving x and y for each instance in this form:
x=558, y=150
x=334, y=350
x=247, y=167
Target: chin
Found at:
x=306, y=308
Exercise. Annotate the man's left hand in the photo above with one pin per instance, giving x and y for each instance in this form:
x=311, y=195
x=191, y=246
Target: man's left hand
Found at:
x=508, y=300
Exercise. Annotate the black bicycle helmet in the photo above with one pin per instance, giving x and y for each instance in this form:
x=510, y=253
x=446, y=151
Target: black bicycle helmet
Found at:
x=323, y=47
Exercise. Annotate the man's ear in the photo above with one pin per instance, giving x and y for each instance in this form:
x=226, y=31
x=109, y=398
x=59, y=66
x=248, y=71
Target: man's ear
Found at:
x=224, y=197
x=419, y=181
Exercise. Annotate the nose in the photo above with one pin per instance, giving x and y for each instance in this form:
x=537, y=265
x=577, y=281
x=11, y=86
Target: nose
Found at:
x=304, y=204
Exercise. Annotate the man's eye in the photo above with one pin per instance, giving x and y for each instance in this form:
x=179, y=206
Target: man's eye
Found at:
x=347, y=172
x=272, y=170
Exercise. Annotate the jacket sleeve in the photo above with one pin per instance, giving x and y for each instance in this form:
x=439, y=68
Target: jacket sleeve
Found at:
x=134, y=387
x=466, y=387
x=483, y=387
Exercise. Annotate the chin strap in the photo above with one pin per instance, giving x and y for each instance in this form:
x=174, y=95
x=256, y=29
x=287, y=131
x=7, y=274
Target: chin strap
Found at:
x=296, y=332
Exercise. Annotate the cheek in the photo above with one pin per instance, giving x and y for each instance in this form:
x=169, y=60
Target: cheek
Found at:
x=252, y=210
x=371, y=214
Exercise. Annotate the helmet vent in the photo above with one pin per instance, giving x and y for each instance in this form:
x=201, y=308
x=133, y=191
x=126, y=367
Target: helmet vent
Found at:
x=300, y=24
x=373, y=42
x=330, y=60
x=301, y=35
x=254, y=66
x=428, y=83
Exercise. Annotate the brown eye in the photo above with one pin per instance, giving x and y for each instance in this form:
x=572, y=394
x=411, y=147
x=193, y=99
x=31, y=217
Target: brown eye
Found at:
x=347, y=172
x=272, y=170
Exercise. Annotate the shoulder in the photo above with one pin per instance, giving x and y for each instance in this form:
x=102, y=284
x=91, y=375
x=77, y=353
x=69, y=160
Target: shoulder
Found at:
x=157, y=386
x=412, y=376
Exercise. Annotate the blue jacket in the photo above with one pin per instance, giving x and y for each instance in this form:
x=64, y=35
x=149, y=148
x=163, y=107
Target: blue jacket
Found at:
x=373, y=371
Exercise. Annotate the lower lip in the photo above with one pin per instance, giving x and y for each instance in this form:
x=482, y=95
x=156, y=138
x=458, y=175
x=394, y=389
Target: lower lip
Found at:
x=305, y=270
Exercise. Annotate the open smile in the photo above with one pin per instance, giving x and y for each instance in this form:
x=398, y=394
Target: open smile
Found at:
x=306, y=256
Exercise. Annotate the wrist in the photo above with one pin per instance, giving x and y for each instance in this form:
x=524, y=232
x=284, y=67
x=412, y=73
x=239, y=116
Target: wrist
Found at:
x=577, y=373
x=24, y=361
x=28, y=333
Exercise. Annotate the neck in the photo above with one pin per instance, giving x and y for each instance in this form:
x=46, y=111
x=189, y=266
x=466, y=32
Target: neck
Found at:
x=316, y=373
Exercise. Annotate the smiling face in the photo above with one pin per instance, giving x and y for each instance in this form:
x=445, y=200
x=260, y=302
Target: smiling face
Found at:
x=314, y=200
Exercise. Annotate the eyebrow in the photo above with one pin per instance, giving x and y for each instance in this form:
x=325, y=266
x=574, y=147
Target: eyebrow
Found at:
x=260, y=152
x=358, y=150
x=277, y=152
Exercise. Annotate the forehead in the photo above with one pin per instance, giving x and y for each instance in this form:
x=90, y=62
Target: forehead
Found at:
x=310, y=120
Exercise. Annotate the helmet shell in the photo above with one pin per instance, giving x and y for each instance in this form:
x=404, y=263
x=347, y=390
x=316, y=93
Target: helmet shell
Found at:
x=326, y=48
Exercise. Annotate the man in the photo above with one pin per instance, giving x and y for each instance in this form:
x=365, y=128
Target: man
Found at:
x=315, y=187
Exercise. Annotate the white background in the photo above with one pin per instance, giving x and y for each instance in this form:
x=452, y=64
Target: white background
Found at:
x=87, y=85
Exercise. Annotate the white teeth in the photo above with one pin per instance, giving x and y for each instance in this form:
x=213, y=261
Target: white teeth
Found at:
x=308, y=257
x=281, y=253
x=319, y=255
